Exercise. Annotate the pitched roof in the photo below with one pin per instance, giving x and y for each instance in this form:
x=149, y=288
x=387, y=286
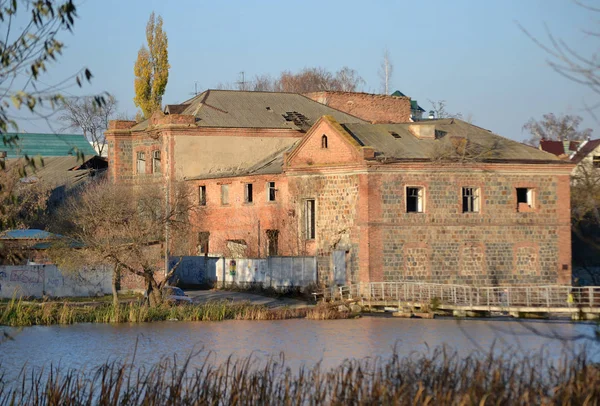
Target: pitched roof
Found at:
x=397, y=142
x=68, y=171
x=273, y=164
x=47, y=145
x=584, y=150
x=243, y=109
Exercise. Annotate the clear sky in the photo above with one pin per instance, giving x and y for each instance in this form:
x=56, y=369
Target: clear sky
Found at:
x=470, y=53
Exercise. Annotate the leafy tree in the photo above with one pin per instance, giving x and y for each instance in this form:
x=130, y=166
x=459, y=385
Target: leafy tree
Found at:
x=85, y=114
x=152, y=68
x=556, y=128
x=28, y=46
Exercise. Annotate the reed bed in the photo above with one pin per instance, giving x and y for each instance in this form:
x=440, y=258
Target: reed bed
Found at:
x=437, y=378
x=18, y=314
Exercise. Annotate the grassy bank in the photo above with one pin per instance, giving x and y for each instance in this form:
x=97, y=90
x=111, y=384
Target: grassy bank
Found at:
x=438, y=378
x=17, y=313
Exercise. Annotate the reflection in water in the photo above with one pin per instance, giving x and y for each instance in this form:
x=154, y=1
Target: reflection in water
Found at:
x=304, y=342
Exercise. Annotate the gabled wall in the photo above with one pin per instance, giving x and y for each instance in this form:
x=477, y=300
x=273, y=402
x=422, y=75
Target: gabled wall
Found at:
x=340, y=147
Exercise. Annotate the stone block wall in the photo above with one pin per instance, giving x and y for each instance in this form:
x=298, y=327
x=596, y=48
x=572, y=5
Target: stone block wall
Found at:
x=497, y=245
x=337, y=201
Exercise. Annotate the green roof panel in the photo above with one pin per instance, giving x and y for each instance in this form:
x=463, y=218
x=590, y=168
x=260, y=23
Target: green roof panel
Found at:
x=46, y=145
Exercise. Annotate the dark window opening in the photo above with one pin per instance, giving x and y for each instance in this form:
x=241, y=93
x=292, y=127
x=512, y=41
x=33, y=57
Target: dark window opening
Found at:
x=202, y=195
x=524, y=197
x=395, y=134
x=470, y=200
x=596, y=161
x=309, y=215
x=324, y=141
x=271, y=191
x=248, y=193
x=272, y=242
x=203, y=237
x=414, y=200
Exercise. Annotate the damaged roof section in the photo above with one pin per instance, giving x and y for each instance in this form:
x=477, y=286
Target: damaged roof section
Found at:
x=433, y=139
x=242, y=109
x=271, y=165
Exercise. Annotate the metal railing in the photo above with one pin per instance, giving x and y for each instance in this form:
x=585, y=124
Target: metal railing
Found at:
x=463, y=295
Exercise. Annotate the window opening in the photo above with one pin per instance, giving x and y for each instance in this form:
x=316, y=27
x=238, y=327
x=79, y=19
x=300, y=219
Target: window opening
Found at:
x=224, y=194
x=202, y=195
x=248, y=198
x=524, y=198
x=203, y=237
x=271, y=191
x=470, y=200
x=414, y=199
x=596, y=161
x=309, y=216
x=141, y=162
x=272, y=242
x=324, y=141
x=156, y=168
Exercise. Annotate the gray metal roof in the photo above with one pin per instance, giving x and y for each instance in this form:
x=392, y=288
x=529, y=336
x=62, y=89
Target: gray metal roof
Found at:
x=404, y=145
x=243, y=109
x=56, y=171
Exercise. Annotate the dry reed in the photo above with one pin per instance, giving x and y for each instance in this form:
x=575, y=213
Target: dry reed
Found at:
x=438, y=378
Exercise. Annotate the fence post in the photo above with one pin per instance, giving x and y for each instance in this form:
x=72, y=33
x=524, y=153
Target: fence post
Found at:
x=548, y=296
x=591, y=296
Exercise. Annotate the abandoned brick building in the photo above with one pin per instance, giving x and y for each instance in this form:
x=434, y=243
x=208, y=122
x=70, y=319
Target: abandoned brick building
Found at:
x=280, y=174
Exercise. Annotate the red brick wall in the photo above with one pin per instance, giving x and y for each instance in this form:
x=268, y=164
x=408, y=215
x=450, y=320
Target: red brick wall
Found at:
x=334, y=150
x=239, y=220
x=375, y=108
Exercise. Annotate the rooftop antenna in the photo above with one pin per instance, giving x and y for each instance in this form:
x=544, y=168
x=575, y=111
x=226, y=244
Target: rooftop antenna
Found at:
x=242, y=83
x=195, y=93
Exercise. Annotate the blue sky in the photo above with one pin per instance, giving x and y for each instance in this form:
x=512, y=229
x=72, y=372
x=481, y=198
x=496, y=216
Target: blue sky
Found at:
x=470, y=53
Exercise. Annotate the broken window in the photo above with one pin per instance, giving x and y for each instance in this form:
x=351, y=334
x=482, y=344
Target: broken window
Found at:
x=156, y=168
x=470, y=200
x=525, y=198
x=202, y=195
x=309, y=218
x=324, y=141
x=596, y=161
x=272, y=242
x=414, y=199
x=271, y=191
x=203, y=237
x=224, y=194
x=248, y=198
x=141, y=162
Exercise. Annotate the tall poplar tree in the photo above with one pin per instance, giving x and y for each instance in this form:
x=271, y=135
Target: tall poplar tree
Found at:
x=152, y=68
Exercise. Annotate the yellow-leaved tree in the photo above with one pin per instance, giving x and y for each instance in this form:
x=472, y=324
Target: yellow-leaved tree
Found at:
x=152, y=68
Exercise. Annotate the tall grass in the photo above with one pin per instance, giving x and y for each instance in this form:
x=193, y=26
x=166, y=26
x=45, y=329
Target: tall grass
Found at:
x=16, y=313
x=439, y=378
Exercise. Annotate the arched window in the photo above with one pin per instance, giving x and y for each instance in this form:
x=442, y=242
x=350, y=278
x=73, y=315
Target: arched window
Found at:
x=324, y=141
